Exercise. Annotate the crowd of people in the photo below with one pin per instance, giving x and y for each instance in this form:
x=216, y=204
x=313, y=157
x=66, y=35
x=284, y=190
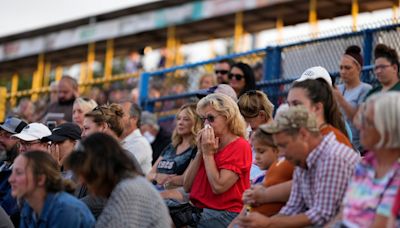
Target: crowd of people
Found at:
x=329, y=156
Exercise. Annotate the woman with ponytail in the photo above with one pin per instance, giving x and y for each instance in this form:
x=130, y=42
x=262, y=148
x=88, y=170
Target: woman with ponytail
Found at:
x=314, y=90
x=37, y=180
x=106, y=119
x=352, y=92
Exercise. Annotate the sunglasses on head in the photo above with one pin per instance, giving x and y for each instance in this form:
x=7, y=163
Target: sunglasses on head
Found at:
x=238, y=77
x=251, y=92
x=100, y=109
x=209, y=118
x=221, y=71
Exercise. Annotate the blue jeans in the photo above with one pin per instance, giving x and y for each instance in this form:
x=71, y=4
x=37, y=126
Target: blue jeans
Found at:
x=214, y=219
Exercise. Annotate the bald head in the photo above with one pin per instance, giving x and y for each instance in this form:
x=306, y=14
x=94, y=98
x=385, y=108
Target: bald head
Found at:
x=67, y=89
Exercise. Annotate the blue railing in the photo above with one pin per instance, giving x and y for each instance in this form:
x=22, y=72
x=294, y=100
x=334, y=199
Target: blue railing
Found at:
x=283, y=63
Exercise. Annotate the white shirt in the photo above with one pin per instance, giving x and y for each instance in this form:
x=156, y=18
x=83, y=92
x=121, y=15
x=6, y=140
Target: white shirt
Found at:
x=140, y=148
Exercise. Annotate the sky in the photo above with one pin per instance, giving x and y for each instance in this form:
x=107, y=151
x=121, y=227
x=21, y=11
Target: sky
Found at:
x=24, y=15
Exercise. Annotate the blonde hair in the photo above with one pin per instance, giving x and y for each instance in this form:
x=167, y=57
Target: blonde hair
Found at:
x=86, y=104
x=386, y=108
x=225, y=106
x=254, y=101
x=191, y=111
x=204, y=76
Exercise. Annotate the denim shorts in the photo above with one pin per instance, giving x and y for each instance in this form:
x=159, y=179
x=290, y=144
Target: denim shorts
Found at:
x=215, y=219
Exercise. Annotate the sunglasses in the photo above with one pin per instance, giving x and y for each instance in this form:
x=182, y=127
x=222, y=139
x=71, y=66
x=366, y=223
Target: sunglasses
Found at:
x=209, y=118
x=238, y=77
x=100, y=109
x=221, y=71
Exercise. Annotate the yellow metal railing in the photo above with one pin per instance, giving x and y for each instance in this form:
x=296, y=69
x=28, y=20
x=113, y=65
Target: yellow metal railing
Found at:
x=46, y=89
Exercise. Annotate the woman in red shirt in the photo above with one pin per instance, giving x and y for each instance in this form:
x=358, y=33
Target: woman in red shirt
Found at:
x=220, y=172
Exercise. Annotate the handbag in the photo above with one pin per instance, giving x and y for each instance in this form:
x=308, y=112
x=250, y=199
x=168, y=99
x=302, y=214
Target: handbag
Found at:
x=184, y=214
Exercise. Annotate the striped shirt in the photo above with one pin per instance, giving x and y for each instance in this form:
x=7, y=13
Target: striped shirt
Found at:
x=318, y=190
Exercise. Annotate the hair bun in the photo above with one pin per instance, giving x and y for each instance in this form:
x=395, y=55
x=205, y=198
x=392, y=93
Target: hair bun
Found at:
x=117, y=109
x=353, y=49
x=355, y=52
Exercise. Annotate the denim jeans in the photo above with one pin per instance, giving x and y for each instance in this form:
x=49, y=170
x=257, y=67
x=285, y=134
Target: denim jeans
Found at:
x=215, y=219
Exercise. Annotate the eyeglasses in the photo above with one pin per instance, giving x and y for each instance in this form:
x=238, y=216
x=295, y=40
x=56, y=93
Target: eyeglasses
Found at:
x=380, y=67
x=238, y=77
x=221, y=71
x=28, y=143
x=209, y=118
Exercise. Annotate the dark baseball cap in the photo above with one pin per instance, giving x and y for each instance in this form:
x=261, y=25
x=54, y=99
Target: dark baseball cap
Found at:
x=63, y=132
x=13, y=125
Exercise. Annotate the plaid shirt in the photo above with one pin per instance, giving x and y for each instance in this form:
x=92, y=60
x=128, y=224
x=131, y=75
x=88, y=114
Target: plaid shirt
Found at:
x=318, y=190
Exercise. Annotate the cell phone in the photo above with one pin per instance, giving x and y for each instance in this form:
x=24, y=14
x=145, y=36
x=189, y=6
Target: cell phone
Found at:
x=51, y=124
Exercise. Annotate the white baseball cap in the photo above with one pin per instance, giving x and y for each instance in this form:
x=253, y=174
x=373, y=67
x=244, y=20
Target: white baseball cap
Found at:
x=315, y=73
x=33, y=131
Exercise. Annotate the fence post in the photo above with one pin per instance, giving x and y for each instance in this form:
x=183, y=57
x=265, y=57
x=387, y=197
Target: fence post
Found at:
x=14, y=90
x=273, y=63
x=144, y=92
x=272, y=71
x=368, y=49
x=3, y=95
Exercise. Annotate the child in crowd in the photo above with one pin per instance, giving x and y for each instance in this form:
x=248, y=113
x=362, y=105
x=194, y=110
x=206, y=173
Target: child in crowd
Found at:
x=278, y=170
x=266, y=153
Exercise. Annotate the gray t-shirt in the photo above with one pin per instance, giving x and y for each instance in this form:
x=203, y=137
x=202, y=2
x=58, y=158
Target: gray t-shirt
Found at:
x=134, y=202
x=355, y=97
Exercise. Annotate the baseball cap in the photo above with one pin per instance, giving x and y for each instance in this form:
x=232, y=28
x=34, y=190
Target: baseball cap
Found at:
x=63, y=132
x=33, y=131
x=221, y=88
x=13, y=125
x=315, y=73
x=293, y=118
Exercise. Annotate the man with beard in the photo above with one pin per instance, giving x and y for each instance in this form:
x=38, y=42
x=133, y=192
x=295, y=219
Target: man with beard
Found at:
x=67, y=92
x=222, y=69
x=11, y=126
x=323, y=170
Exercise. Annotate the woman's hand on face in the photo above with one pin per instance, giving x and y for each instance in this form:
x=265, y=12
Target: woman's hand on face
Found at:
x=209, y=143
x=54, y=151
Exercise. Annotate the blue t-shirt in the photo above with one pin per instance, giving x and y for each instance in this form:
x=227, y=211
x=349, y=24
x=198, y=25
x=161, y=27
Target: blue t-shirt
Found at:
x=59, y=210
x=7, y=201
x=355, y=97
x=171, y=163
